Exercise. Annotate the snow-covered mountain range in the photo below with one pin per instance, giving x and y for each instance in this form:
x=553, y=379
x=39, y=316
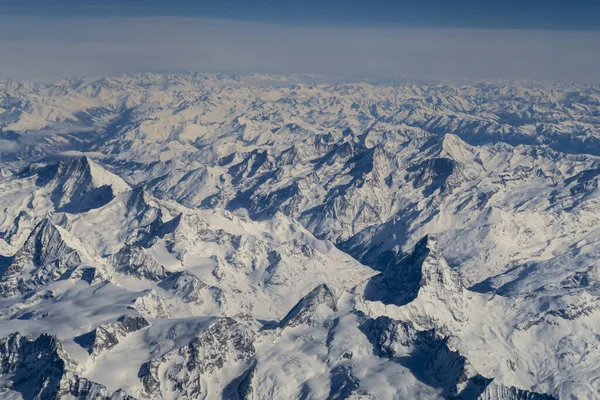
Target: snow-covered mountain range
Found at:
x=207, y=236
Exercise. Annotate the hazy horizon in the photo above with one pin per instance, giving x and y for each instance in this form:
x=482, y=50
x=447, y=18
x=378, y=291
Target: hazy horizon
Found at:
x=48, y=48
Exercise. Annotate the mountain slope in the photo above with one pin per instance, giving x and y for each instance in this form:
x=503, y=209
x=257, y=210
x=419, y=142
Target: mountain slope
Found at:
x=206, y=236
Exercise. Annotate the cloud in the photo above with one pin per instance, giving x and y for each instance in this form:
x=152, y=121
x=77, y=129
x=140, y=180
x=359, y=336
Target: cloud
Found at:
x=52, y=48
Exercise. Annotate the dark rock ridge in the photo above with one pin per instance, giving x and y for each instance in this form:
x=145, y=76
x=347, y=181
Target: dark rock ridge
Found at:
x=432, y=361
x=241, y=387
x=179, y=372
x=190, y=288
x=402, y=281
x=106, y=336
x=306, y=310
x=138, y=262
x=41, y=369
x=44, y=257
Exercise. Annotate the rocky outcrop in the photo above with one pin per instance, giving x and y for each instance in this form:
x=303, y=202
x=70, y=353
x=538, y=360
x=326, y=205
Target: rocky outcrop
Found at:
x=312, y=308
x=429, y=357
x=106, y=336
x=138, y=262
x=190, y=289
x=151, y=304
x=425, y=269
x=41, y=369
x=44, y=257
x=180, y=372
x=500, y=392
x=426, y=354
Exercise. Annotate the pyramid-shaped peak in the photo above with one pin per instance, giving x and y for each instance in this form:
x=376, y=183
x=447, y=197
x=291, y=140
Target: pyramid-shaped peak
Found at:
x=45, y=241
x=86, y=167
x=427, y=242
x=79, y=185
x=433, y=265
x=423, y=269
x=425, y=253
x=306, y=311
x=44, y=245
x=74, y=167
x=78, y=162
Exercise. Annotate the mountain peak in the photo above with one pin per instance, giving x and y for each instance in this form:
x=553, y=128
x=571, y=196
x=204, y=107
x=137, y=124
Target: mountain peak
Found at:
x=45, y=256
x=81, y=185
x=42, y=369
x=308, y=309
x=425, y=269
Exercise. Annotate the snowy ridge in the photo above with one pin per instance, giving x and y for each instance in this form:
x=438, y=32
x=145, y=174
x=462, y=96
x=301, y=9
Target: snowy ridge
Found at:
x=205, y=236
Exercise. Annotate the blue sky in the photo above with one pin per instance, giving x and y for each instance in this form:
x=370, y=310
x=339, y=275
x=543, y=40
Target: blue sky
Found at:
x=488, y=14
x=351, y=39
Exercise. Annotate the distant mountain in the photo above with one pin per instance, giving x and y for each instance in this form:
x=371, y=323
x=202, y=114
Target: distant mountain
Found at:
x=204, y=236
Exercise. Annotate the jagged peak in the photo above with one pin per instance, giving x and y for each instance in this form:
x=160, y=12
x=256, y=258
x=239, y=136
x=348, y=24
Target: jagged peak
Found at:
x=101, y=177
x=150, y=303
x=306, y=310
x=423, y=269
x=170, y=226
x=221, y=342
x=106, y=336
x=138, y=262
x=47, y=224
x=78, y=185
x=445, y=367
x=428, y=258
x=255, y=162
x=45, y=242
x=375, y=160
x=16, y=347
x=75, y=164
x=46, y=255
x=190, y=288
x=86, y=168
x=42, y=368
x=435, y=175
x=138, y=198
x=462, y=153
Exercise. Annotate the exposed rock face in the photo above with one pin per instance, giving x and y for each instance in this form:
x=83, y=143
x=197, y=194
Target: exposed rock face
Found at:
x=190, y=288
x=241, y=387
x=309, y=309
x=136, y=261
x=106, y=336
x=424, y=269
x=430, y=358
x=499, y=392
x=91, y=275
x=45, y=257
x=180, y=372
x=439, y=366
x=343, y=383
x=151, y=304
x=82, y=185
x=434, y=174
x=41, y=369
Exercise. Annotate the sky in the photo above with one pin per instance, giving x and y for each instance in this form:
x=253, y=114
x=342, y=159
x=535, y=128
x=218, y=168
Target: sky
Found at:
x=427, y=39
